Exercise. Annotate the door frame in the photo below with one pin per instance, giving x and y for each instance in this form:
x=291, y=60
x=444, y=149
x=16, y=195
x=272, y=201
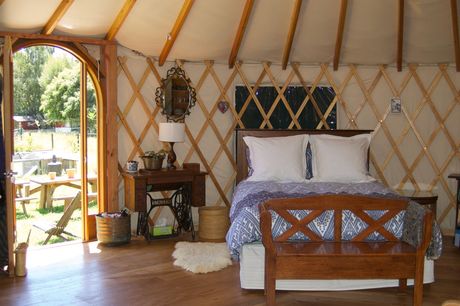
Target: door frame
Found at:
x=102, y=89
x=7, y=66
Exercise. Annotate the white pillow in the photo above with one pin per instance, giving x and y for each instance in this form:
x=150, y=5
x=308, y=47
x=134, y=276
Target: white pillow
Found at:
x=340, y=159
x=277, y=158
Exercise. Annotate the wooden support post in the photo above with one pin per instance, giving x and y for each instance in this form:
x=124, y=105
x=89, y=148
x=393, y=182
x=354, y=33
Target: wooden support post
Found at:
x=109, y=161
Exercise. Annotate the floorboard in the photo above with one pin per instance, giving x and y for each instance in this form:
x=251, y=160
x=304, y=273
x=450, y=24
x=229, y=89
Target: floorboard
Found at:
x=142, y=273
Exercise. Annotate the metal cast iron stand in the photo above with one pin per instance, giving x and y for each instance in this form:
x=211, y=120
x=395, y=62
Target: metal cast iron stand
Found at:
x=179, y=204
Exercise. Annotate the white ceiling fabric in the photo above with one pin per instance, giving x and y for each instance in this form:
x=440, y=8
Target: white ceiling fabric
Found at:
x=370, y=32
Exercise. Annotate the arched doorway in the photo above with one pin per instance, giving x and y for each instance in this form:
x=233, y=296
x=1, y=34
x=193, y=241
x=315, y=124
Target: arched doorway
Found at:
x=89, y=73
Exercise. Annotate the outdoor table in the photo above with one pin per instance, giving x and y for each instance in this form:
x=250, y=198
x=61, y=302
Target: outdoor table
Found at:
x=48, y=185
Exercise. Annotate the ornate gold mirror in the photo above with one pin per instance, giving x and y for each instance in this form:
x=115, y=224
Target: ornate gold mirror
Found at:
x=176, y=95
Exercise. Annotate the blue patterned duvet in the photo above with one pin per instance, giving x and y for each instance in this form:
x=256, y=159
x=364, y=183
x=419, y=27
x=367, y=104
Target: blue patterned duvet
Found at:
x=244, y=213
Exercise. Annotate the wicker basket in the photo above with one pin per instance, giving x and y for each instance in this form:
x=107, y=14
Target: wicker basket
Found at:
x=214, y=223
x=113, y=231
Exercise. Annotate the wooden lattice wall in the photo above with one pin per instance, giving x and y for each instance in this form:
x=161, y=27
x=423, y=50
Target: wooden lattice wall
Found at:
x=415, y=149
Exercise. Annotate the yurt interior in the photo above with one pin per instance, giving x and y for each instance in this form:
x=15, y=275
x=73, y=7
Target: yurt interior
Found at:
x=230, y=152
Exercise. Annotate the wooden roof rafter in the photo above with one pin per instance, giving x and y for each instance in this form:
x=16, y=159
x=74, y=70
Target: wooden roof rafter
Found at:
x=399, y=55
x=340, y=28
x=240, y=33
x=120, y=19
x=185, y=10
x=453, y=9
x=56, y=17
x=291, y=33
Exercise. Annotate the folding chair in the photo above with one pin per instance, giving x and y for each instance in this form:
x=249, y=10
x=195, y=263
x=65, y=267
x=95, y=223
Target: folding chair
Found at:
x=58, y=228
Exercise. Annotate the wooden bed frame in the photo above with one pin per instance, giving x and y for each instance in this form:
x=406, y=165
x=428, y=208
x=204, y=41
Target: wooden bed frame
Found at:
x=337, y=259
x=241, y=159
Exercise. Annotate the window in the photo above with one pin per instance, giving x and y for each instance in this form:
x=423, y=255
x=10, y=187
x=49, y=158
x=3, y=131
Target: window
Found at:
x=309, y=118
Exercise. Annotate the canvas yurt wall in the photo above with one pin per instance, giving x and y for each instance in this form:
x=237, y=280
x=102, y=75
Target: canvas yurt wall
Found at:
x=414, y=149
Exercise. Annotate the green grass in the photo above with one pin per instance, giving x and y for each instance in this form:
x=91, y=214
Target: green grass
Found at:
x=24, y=223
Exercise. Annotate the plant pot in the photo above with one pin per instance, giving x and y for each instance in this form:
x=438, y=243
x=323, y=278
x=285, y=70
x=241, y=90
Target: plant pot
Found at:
x=152, y=163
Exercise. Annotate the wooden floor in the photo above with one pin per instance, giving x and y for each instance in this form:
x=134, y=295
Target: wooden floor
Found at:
x=141, y=273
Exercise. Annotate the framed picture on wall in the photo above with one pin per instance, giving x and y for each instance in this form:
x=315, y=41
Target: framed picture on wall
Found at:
x=395, y=105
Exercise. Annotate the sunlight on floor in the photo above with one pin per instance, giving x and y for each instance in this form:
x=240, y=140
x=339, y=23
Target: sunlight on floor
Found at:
x=74, y=251
x=93, y=247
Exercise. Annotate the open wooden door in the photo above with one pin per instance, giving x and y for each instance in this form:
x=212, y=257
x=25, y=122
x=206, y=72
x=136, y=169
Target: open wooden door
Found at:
x=3, y=227
x=98, y=148
x=89, y=163
x=7, y=175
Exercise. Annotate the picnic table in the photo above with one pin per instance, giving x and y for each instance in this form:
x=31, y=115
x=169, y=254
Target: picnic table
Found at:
x=48, y=186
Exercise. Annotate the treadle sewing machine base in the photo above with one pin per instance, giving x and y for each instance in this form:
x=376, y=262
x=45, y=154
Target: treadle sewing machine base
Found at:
x=189, y=183
x=179, y=204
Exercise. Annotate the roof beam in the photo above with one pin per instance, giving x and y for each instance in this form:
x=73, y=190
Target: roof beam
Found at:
x=175, y=31
x=399, y=55
x=291, y=33
x=118, y=22
x=453, y=9
x=338, y=41
x=84, y=40
x=240, y=33
x=56, y=17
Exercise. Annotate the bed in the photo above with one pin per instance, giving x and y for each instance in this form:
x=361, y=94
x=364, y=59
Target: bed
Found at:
x=256, y=184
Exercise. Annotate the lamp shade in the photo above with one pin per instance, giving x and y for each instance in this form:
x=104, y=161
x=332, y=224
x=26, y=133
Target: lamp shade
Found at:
x=172, y=132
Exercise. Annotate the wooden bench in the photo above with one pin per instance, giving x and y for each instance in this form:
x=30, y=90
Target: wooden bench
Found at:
x=24, y=201
x=358, y=258
x=23, y=194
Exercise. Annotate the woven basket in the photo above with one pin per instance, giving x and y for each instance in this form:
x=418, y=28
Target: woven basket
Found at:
x=113, y=231
x=214, y=223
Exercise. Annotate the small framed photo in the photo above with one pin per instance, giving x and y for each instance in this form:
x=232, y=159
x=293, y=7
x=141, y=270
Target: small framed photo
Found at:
x=396, y=105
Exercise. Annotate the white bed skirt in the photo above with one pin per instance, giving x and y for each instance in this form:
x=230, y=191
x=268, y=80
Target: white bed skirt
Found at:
x=252, y=275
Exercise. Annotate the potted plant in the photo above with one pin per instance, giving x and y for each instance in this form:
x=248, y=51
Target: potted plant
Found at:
x=153, y=160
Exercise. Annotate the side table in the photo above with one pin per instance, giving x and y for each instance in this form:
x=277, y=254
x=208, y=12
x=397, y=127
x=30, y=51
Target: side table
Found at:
x=189, y=183
x=425, y=198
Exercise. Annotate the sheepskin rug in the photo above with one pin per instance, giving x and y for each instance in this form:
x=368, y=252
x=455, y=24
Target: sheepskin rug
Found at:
x=201, y=257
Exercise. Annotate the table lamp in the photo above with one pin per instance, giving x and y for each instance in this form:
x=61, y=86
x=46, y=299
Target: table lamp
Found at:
x=172, y=132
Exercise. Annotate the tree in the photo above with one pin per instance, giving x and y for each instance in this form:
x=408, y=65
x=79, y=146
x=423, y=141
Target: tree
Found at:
x=61, y=99
x=53, y=66
x=27, y=66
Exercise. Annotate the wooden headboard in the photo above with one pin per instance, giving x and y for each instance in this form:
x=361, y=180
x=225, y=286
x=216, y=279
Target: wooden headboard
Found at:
x=241, y=160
